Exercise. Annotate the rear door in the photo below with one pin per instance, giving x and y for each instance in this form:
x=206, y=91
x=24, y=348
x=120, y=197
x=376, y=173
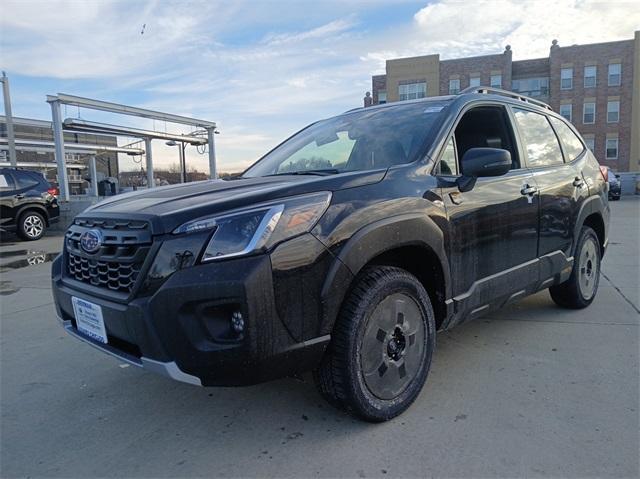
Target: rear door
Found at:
x=561, y=187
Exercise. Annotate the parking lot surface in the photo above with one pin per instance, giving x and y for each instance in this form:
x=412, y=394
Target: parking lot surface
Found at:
x=532, y=390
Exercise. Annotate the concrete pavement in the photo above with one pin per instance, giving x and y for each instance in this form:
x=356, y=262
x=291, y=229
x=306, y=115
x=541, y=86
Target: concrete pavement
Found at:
x=532, y=390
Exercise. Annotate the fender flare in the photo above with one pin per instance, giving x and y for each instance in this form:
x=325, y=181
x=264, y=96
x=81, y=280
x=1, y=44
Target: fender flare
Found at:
x=391, y=233
x=33, y=206
x=593, y=204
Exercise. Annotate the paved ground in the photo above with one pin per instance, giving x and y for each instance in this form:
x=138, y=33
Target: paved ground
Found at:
x=531, y=391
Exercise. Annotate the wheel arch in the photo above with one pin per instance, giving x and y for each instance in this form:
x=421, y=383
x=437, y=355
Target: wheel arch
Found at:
x=33, y=207
x=595, y=214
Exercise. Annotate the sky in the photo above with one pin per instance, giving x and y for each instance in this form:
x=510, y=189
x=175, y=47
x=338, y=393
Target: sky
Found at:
x=262, y=69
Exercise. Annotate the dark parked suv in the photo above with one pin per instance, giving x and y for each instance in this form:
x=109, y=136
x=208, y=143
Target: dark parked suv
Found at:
x=27, y=203
x=344, y=249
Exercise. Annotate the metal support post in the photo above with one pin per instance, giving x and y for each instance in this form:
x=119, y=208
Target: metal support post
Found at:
x=147, y=151
x=58, y=138
x=183, y=164
x=213, y=172
x=93, y=171
x=11, y=138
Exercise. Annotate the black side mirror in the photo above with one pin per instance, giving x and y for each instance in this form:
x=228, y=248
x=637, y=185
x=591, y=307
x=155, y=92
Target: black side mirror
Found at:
x=482, y=162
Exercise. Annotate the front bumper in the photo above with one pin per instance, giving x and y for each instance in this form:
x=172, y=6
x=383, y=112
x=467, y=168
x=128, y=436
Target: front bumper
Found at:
x=183, y=329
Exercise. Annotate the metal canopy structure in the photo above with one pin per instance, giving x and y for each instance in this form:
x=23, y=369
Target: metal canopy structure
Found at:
x=83, y=126
x=49, y=146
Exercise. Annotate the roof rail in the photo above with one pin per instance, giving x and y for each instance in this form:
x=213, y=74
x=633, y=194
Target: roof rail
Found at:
x=497, y=91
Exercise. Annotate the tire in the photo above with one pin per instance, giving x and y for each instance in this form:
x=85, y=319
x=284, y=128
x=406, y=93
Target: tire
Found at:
x=580, y=289
x=381, y=347
x=31, y=225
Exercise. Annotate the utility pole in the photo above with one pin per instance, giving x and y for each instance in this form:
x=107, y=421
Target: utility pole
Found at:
x=11, y=138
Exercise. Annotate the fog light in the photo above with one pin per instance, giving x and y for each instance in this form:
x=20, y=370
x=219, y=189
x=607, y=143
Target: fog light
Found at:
x=237, y=322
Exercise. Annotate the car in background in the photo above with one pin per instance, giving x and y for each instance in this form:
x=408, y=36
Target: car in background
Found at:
x=615, y=186
x=28, y=203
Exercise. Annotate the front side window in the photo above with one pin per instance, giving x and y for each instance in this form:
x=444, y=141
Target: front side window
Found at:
x=362, y=140
x=454, y=87
x=590, y=76
x=589, y=113
x=412, y=91
x=382, y=97
x=615, y=74
x=566, y=111
x=613, y=112
x=566, y=78
x=612, y=149
x=474, y=81
x=572, y=145
x=541, y=142
x=448, y=164
x=496, y=81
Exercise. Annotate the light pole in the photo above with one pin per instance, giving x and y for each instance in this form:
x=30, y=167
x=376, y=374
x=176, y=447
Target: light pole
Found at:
x=183, y=164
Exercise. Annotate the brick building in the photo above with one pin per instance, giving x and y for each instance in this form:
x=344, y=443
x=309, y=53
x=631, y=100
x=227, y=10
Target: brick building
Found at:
x=595, y=86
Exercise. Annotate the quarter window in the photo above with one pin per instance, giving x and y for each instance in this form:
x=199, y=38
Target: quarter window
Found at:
x=454, y=87
x=412, y=91
x=5, y=183
x=572, y=145
x=448, y=164
x=589, y=113
x=541, y=142
x=613, y=111
x=615, y=74
x=566, y=78
x=566, y=111
x=612, y=149
x=590, y=76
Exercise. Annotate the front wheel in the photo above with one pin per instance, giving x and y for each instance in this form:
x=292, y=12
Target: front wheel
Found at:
x=580, y=289
x=381, y=346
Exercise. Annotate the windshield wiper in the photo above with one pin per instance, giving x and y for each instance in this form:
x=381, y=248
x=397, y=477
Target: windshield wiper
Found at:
x=323, y=172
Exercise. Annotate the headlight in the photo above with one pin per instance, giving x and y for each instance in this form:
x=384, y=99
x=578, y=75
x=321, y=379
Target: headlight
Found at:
x=252, y=230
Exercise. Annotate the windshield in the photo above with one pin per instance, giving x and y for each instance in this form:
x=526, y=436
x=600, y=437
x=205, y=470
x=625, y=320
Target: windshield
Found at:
x=362, y=140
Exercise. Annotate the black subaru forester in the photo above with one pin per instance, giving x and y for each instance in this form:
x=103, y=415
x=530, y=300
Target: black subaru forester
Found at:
x=344, y=249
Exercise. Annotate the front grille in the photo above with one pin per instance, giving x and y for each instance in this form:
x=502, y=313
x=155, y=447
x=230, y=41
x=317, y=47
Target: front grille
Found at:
x=117, y=264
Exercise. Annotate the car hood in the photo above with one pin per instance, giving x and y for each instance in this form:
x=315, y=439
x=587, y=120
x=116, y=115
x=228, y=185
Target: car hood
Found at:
x=167, y=207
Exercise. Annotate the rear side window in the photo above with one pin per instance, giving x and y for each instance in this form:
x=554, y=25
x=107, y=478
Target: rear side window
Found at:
x=572, y=145
x=540, y=141
x=24, y=180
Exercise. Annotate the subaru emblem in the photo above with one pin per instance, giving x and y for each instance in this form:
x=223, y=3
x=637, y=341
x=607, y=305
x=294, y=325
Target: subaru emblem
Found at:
x=90, y=241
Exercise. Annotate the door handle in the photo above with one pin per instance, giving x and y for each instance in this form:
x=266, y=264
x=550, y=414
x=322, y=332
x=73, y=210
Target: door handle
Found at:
x=528, y=190
x=578, y=182
x=19, y=197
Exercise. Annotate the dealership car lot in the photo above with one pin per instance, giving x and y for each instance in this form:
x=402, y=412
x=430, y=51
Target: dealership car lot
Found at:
x=532, y=390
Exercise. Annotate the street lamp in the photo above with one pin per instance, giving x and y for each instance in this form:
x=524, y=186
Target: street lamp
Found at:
x=183, y=165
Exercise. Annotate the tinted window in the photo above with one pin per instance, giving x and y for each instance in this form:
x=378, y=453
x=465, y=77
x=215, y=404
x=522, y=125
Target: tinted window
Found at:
x=25, y=180
x=572, y=145
x=362, y=140
x=448, y=165
x=6, y=183
x=539, y=139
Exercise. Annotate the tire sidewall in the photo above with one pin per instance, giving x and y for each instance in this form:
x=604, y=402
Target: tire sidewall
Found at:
x=374, y=407
x=586, y=234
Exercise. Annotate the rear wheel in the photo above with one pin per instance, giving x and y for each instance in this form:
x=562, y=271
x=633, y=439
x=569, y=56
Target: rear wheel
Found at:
x=381, y=347
x=31, y=226
x=581, y=287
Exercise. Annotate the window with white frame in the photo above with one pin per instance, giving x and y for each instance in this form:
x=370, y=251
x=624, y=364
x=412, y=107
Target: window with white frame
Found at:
x=591, y=143
x=615, y=74
x=566, y=78
x=613, y=111
x=496, y=81
x=590, y=76
x=411, y=91
x=566, y=110
x=589, y=113
x=382, y=97
x=612, y=149
x=474, y=81
x=454, y=87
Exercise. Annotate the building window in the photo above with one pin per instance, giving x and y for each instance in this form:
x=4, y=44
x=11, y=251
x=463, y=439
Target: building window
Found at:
x=454, y=87
x=613, y=111
x=589, y=113
x=531, y=86
x=474, y=81
x=411, y=91
x=612, y=149
x=566, y=111
x=590, y=76
x=615, y=74
x=566, y=79
x=591, y=144
x=496, y=81
x=382, y=97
